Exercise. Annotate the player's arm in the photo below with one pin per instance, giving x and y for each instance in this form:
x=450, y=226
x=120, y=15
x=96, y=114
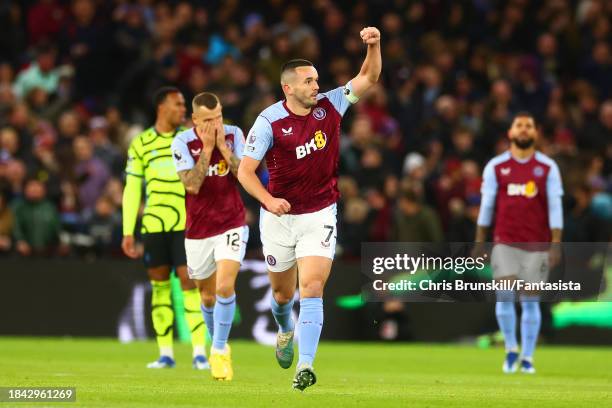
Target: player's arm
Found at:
x=232, y=157
x=192, y=174
x=258, y=142
x=554, y=192
x=487, y=203
x=194, y=178
x=371, y=67
x=134, y=175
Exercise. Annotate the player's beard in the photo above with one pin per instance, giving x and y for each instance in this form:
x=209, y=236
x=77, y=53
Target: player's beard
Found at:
x=523, y=144
x=307, y=102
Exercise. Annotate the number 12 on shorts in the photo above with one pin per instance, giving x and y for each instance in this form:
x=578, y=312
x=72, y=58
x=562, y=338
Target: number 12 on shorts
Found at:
x=232, y=240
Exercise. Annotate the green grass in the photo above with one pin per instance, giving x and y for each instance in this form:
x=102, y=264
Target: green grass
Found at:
x=108, y=374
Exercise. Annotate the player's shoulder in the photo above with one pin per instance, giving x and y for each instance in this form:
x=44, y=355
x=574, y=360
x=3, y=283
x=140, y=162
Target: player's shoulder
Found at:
x=499, y=159
x=274, y=112
x=544, y=159
x=142, y=138
x=232, y=129
x=184, y=136
x=327, y=94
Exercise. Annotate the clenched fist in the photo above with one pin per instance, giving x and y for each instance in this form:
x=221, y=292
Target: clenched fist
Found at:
x=370, y=35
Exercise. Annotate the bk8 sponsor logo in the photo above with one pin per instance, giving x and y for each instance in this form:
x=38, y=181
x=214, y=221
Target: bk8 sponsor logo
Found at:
x=219, y=169
x=318, y=142
x=529, y=189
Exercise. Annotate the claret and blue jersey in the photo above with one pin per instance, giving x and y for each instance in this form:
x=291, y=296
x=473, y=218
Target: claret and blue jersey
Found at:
x=525, y=197
x=301, y=152
x=217, y=207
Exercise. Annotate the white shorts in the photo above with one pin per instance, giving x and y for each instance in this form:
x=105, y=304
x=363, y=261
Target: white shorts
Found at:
x=202, y=254
x=530, y=266
x=289, y=237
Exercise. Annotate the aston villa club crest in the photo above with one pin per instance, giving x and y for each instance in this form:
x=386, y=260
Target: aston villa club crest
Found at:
x=230, y=145
x=538, y=171
x=271, y=260
x=319, y=113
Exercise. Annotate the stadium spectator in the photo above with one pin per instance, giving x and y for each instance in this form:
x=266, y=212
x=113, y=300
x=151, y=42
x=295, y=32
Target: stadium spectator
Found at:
x=45, y=19
x=36, y=228
x=6, y=224
x=597, y=136
x=464, y=215
x=40, y=75
x=104, y=227
x=91, y=173
x=354, y=226
x=581, y=223
x=104, y=149
x=9, y=144
x=14, y=173
x=415, y=222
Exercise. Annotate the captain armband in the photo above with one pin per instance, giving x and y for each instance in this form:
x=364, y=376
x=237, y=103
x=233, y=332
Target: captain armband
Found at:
x=349, y=94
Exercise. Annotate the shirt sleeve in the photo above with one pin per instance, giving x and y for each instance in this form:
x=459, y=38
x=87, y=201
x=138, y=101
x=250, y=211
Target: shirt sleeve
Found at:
x=181, y=156
x=554, y=192
x=489, y=193
x=132, y=191
x=134, y=165
x=238, y=143
x=338, y=98
x=259, y=139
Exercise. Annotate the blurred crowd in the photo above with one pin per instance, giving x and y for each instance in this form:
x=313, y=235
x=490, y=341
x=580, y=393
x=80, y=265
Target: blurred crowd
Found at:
x=77, y=77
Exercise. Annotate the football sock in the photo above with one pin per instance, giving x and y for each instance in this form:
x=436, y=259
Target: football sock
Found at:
x=282, y=315
x=208, y=312
x=163, y=316
x=531, y=319
x=506, y=318
x=193, y=315
x=310, y=323
x=223, y=316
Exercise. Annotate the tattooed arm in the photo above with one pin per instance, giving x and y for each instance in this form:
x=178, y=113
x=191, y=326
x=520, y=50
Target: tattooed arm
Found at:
x=194, y=178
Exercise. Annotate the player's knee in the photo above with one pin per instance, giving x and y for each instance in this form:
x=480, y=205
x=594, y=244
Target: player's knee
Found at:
x=312, y=289
x=283, y=297
x=225, y=289
x=208, y=299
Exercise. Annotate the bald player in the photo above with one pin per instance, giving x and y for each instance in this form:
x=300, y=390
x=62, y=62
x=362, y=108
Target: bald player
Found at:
x=299, y=138
x=206, y=158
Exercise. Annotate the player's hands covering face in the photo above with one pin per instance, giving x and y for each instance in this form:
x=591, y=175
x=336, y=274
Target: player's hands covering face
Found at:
x=208, y=135
x=219, y=133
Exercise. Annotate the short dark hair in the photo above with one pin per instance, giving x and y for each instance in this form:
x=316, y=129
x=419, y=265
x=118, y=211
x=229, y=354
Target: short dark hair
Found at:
x=295, y=63
x=524, y=114
x=160, y=95
x=206, y=99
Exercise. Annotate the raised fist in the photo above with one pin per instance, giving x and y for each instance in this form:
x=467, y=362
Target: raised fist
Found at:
x=370, y=35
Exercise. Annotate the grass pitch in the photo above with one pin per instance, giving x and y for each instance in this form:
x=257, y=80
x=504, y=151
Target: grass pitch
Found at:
x=109, y=374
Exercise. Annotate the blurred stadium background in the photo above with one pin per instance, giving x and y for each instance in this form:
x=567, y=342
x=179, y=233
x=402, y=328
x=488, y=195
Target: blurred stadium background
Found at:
x=76, y=82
